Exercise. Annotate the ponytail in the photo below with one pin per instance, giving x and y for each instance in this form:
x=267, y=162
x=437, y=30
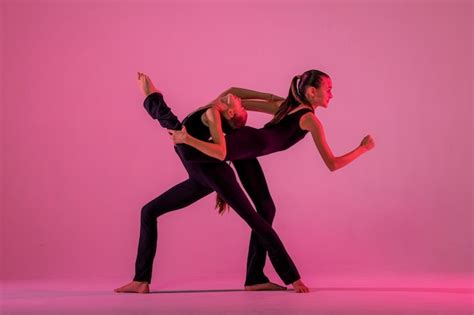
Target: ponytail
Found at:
x=295, y=88
x=293, y=99
x=296, y=95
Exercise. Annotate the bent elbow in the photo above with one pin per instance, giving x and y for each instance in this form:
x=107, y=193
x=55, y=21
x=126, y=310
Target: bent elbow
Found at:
x=332, y=166
x=221, y=155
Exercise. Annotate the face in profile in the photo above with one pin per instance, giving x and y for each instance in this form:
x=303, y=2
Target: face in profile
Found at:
x=322, y=95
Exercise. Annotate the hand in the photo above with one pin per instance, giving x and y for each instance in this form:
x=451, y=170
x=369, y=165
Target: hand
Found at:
x=368, y=143
x=178, y=136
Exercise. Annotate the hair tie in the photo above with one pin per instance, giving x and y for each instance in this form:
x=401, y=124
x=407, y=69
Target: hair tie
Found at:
x=295, y=89
x=298, y=85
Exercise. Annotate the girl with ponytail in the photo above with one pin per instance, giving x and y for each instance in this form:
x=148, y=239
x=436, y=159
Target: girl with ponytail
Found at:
x=293, y=118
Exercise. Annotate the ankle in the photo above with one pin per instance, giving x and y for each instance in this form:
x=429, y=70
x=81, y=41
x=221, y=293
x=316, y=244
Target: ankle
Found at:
x=150, y=91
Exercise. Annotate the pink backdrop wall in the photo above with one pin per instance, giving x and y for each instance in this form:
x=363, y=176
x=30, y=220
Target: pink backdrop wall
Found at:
x=80, y=156
x=2, y=154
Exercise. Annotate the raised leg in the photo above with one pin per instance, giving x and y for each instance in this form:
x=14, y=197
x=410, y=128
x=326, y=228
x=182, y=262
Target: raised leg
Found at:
x=155, y=105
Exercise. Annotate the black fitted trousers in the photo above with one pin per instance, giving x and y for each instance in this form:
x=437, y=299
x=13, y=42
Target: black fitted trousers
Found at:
x=205, y=178
x=252, y=178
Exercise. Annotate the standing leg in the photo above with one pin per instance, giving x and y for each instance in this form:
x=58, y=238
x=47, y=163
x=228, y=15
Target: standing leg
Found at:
x=221, y=178
x=253, y=179
x=175, y=198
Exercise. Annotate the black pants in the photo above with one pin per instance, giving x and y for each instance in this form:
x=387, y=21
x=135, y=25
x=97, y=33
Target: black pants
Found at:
x=252, y=178
x=219, y=177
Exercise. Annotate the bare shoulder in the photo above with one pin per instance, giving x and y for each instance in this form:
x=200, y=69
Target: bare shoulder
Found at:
x=309, y=121
x=212, y=113
x=214, y=120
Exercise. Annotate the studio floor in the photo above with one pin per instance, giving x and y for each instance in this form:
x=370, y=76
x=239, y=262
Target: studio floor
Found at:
x=329, y=297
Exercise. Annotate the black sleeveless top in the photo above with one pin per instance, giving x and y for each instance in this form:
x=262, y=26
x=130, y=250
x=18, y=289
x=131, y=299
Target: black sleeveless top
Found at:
x=248, y=142
x=196, y=128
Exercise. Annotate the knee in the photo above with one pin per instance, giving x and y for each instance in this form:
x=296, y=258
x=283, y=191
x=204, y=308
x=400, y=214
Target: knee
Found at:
x=149, y=212
x=267, y=210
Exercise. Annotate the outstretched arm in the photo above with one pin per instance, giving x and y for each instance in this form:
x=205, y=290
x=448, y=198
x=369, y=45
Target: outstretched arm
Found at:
x=269, y=107
x=313, y=125
x=216, y=149
x=246, y=94
x=255, y=100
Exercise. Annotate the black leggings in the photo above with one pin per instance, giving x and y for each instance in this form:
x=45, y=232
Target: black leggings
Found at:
x=252, y=178
x=219, y=177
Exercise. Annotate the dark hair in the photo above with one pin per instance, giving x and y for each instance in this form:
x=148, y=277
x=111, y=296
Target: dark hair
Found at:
x=296, y=95
x=221, y=205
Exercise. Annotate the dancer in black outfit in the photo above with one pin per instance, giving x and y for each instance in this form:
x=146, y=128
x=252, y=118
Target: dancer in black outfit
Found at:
x=293, y=119
x=203, y=179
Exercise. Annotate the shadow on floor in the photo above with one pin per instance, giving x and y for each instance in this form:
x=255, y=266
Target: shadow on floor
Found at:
x=359, y=289
x=197, y=291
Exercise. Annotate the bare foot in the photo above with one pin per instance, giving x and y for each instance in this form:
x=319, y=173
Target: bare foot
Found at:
x=269, y=286
x=134, y=287
x=145, y=84
x=300, y=287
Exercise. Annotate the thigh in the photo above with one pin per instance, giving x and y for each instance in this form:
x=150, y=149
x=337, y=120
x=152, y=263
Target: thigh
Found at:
x=177, y=197
x=221, y=178
x=252, y=178
x=242, y=143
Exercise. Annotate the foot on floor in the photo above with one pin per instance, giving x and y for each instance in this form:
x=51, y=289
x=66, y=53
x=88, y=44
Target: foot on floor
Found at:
x=268, y=286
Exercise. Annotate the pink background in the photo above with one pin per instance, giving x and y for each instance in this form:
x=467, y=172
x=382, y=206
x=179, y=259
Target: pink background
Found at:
x=80, y=156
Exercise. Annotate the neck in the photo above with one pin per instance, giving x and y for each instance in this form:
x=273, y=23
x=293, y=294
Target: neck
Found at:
x=299, y=107
x=306, y=106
